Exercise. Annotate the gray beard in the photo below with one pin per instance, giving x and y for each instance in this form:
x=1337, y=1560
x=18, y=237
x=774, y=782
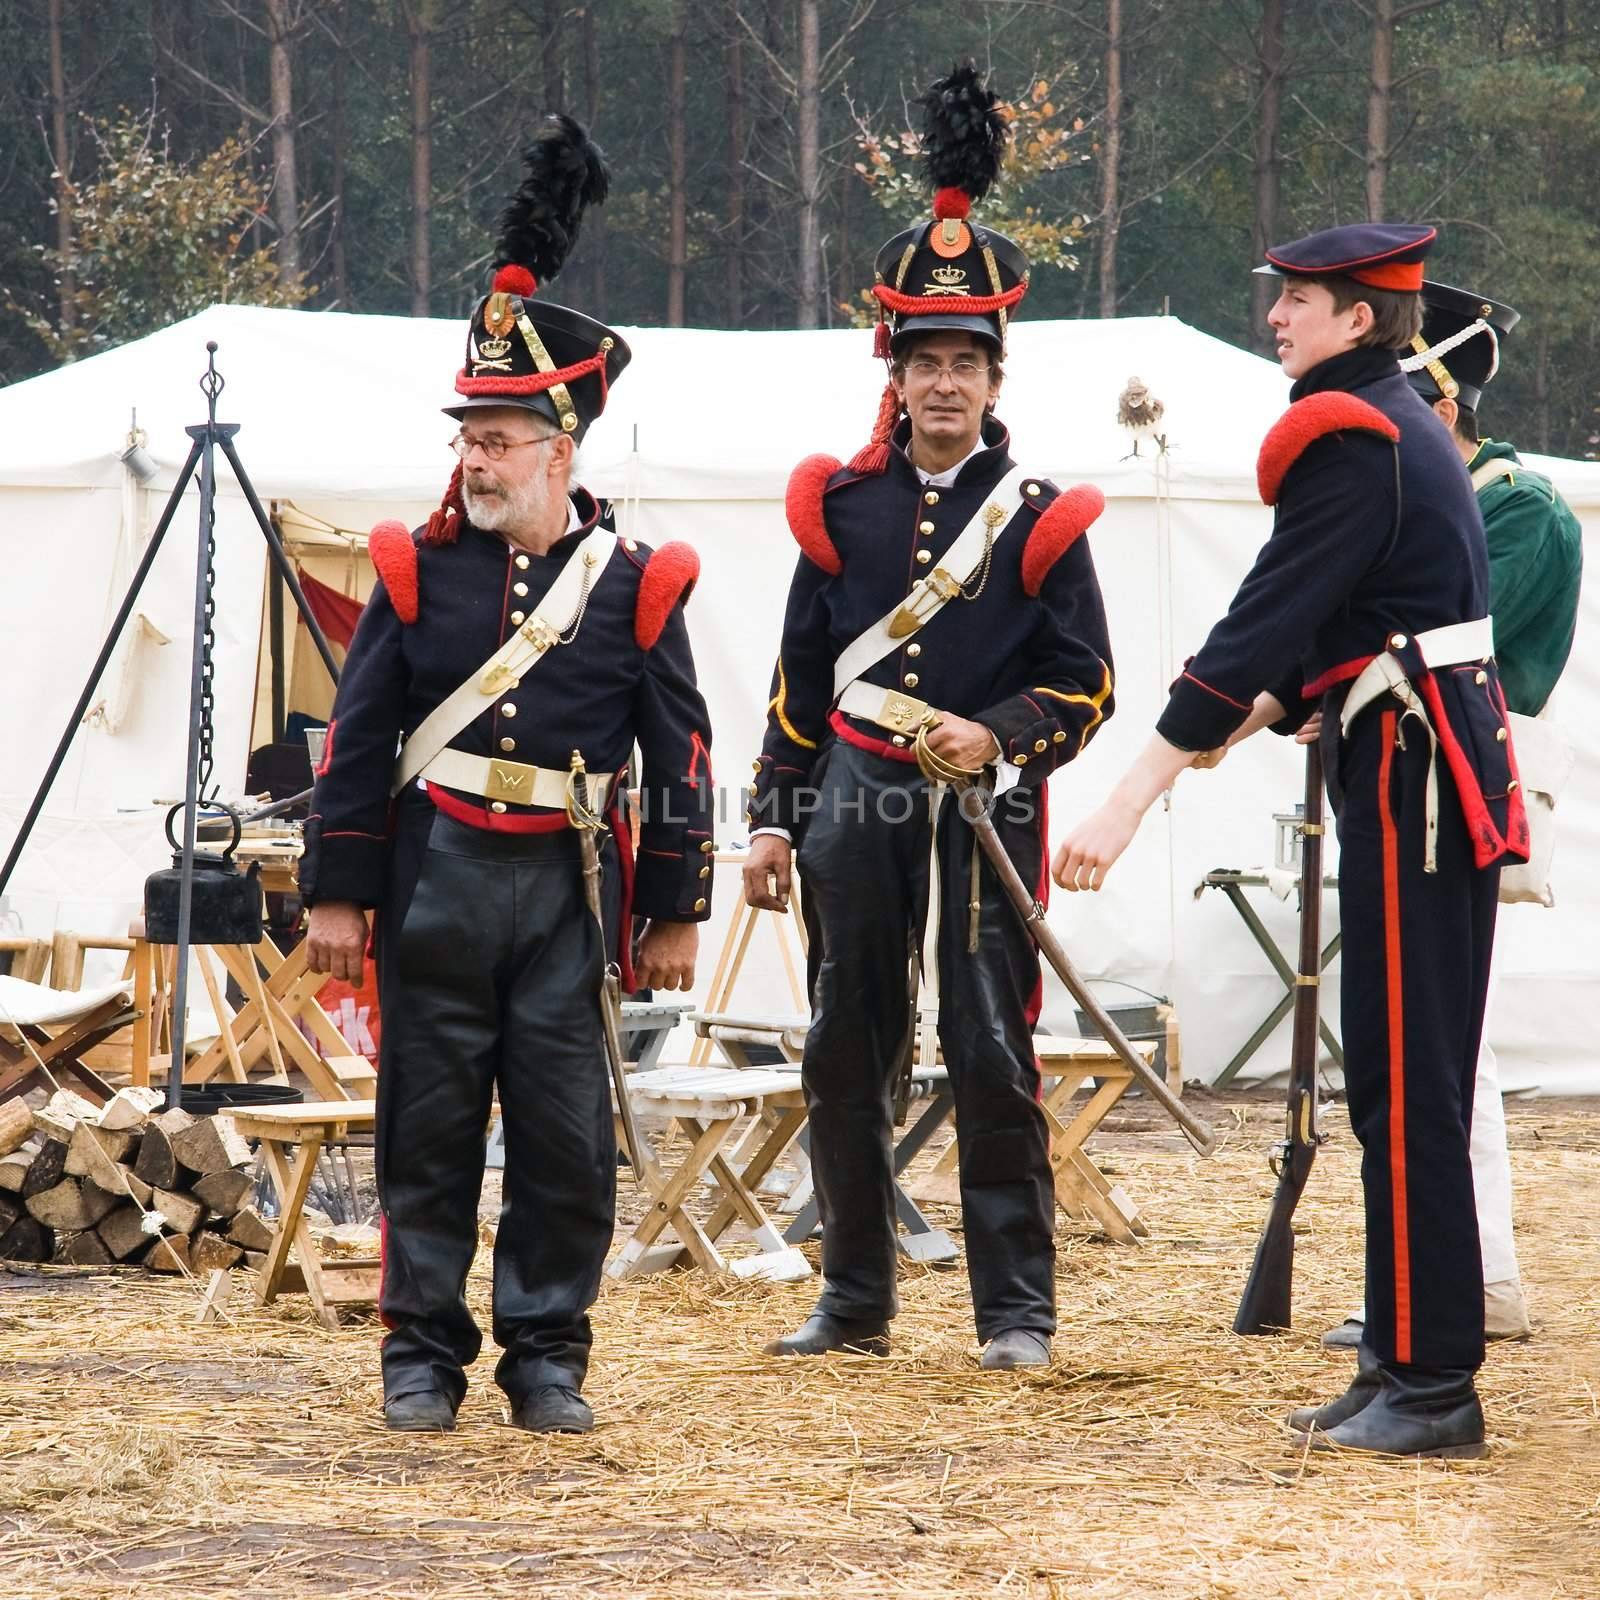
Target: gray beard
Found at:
x=512, y=509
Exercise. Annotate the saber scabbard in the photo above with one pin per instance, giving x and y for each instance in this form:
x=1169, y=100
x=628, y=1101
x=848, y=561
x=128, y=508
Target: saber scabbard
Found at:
x=589, y=824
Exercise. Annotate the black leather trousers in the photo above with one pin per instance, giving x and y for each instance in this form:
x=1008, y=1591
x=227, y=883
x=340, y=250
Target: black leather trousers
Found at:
x=489, y=970
x=864, y=862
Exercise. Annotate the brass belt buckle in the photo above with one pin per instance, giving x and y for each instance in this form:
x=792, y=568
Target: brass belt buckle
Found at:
x=901, y=712
x=511, y=781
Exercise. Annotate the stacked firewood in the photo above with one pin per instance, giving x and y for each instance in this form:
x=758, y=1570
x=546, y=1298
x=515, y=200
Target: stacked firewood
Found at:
x=124, y=1182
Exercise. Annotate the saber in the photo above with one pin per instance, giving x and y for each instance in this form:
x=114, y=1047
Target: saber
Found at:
x=588, y=824
x=974, y=808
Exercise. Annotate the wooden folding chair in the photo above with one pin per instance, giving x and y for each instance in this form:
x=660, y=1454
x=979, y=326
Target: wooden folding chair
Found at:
x=45, y=1034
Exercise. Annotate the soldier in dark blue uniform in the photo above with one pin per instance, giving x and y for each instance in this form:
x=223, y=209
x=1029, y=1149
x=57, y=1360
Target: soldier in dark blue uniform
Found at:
x=510, y=632
x=940, y=591
x=1535, y=572
x=1370, y=603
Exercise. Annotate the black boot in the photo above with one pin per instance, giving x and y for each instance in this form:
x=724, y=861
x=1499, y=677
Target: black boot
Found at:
x=422, y=1411
x=1016, y=1347
x=1362, y=1391
x=1418, y=1411
x=553, y=1410
x=820, y=1334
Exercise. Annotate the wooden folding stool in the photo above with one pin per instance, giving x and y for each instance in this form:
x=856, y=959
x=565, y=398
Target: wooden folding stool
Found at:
x=292, y=1137
x=707, y=1103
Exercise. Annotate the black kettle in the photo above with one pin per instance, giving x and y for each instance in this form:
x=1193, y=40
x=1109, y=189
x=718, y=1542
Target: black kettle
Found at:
x=225, y=906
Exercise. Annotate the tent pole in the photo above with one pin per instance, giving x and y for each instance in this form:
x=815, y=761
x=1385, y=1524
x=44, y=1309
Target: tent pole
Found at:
x=275, y=633
x=112, y=637
x=280, y=559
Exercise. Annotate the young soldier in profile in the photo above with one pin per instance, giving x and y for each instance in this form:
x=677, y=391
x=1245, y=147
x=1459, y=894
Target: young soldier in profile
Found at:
x=1535, y=571
x=1369, y=603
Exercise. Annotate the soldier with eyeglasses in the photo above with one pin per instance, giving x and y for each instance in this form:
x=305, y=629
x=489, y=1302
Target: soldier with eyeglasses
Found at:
x=944, y=600
x=518, y=606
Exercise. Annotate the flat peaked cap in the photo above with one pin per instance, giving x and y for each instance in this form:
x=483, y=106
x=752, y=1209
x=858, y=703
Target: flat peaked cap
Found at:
x=1382, y=255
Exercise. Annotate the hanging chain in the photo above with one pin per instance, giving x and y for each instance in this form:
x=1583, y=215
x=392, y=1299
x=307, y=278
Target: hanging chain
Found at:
x=207, y=666
x=590, y=561
x=212, y=384
x=993, y=517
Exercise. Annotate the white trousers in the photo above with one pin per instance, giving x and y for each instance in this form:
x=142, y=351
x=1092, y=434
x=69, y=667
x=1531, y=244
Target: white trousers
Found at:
x=1491, y=1160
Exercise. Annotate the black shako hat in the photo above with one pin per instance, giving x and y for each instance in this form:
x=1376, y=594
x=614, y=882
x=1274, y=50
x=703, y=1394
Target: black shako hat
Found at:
x=947, y=274
x=1458, y=351
x=527, y=351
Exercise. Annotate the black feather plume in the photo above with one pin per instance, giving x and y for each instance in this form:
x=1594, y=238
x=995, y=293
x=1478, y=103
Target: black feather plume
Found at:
x=566, y=174
x=964, y=136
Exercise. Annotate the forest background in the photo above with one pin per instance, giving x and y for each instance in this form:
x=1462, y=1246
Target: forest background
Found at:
x=159, y=155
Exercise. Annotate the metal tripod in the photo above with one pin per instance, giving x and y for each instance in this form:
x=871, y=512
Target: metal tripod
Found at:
x=206, y=439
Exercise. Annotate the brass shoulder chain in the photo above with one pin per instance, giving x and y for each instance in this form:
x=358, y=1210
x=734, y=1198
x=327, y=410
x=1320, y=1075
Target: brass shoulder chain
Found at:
x=993, y=517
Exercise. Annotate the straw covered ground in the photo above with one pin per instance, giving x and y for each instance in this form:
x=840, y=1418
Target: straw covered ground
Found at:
x=143, y=1455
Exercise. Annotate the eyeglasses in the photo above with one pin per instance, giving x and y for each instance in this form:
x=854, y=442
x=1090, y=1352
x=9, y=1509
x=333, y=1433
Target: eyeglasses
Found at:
x=927, y=370
x=492, y=444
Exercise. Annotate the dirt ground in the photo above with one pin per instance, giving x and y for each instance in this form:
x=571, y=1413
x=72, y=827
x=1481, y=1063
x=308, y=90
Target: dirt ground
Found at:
x=144, y=1454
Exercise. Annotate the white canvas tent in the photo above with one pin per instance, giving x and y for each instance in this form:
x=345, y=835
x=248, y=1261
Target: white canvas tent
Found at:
x=340, y=426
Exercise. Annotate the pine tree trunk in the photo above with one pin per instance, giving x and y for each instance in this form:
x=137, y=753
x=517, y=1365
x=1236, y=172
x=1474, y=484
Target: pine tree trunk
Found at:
x=1380, y=98
x=733, y=290
x=339, y=138
x=809, y=170
x=595, y=223
x=1111, y=161
x=285, y=189
x=555, y=78
x=61, y=155
x=421, y=27
x=1268, y=168
x=678, y=167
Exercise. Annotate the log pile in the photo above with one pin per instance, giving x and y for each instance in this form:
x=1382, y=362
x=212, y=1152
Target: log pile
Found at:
x=126, y=1183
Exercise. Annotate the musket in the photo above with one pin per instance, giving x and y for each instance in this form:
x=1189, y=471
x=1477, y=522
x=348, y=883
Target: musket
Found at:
x=974, y=807
x=588, y=823
x=1264, y=1306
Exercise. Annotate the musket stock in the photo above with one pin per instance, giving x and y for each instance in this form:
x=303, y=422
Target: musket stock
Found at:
x=1268, y=1293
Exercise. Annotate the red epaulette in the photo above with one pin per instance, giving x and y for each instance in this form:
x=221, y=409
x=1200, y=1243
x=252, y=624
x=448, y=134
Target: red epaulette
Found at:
x=1303, y=424
x=1061, y=524
x=669, y=576
x=803, y=503
x=394, y=555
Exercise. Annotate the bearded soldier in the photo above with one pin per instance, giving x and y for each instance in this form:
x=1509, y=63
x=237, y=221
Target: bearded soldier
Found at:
x=944, y=616
x=512, y=633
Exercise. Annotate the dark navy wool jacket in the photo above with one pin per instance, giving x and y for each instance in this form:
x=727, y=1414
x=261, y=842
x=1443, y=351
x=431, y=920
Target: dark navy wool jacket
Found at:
x=1029, y=657
x=436, y=615
x=1371, y=538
